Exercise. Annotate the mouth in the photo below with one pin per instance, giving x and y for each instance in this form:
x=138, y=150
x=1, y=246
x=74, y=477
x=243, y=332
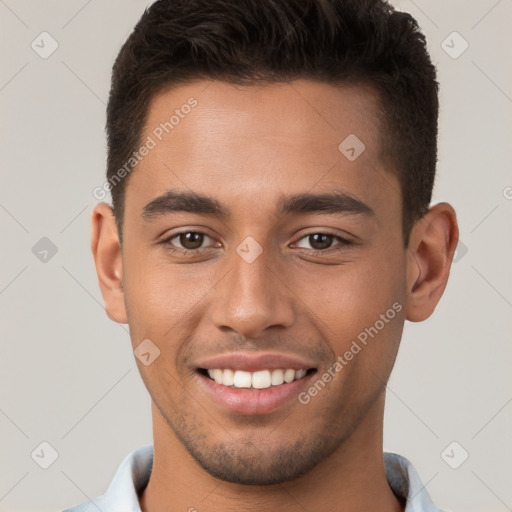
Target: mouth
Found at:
x=261, y=379
x=254, y=383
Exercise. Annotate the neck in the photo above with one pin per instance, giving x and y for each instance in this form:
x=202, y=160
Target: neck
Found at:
x=352, y=478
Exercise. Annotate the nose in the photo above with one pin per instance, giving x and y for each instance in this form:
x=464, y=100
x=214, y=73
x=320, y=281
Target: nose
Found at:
x=252, y=297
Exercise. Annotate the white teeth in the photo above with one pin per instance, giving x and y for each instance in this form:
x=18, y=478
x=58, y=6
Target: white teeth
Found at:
x=261, y=379
x=299, y=374
x=242, y=379
x=277, y=377
x=218, y=376
x=289, y=375
x=228, y=377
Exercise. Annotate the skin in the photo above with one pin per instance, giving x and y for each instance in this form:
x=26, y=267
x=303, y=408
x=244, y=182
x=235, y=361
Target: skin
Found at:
x=247, y=147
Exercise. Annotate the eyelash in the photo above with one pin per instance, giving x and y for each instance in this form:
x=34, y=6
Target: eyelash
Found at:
x=344, y=242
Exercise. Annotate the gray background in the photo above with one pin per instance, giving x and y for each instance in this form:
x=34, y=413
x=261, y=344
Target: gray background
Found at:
x=67, y=373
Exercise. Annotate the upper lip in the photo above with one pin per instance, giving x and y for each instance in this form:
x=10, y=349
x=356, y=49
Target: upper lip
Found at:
x=252, y=362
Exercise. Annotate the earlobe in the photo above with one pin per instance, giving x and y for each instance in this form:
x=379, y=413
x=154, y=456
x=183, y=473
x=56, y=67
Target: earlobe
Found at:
x=430, y=253
x=106, y=251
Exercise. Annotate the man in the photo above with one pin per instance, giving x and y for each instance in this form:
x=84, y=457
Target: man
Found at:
x=271, y=165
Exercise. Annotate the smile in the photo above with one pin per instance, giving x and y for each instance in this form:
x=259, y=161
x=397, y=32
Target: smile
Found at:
x=261, y=379
x=254, y=383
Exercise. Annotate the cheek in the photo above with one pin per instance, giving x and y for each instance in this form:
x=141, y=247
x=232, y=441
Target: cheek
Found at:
x=164, y=303
x=156, y=292
x=152, y=301
x=363, y=303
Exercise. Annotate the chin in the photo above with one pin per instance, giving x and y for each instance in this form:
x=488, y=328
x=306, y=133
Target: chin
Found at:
x=248, y=464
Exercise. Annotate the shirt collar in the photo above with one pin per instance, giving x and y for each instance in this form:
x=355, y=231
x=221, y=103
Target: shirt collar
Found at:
x=406, y=483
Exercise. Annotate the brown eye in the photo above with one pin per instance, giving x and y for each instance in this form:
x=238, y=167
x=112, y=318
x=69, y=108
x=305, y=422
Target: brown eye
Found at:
x=320, y=241
x=186, y=242
x=323, y=242
x=191, y=240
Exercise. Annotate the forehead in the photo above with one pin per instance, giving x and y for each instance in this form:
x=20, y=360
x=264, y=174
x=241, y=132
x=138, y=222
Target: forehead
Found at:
x=259, y=141
x=300, y=109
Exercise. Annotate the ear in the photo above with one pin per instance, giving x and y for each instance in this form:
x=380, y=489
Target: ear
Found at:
x=106, y=251
x=432, y=244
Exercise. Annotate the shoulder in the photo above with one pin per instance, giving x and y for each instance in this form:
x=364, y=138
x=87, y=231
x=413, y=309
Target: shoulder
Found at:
x=406, y=483
x=130, y=479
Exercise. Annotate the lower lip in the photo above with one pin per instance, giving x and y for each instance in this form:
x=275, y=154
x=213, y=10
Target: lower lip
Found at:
x=253, y=401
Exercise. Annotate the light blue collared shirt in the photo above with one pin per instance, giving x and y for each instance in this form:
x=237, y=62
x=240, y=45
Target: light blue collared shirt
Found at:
x=133, y=475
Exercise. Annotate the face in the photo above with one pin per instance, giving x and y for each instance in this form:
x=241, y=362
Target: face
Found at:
x=258, y=251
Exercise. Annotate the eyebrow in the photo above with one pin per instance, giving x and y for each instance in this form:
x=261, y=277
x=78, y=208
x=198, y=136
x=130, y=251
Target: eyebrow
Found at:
x=336, y=202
